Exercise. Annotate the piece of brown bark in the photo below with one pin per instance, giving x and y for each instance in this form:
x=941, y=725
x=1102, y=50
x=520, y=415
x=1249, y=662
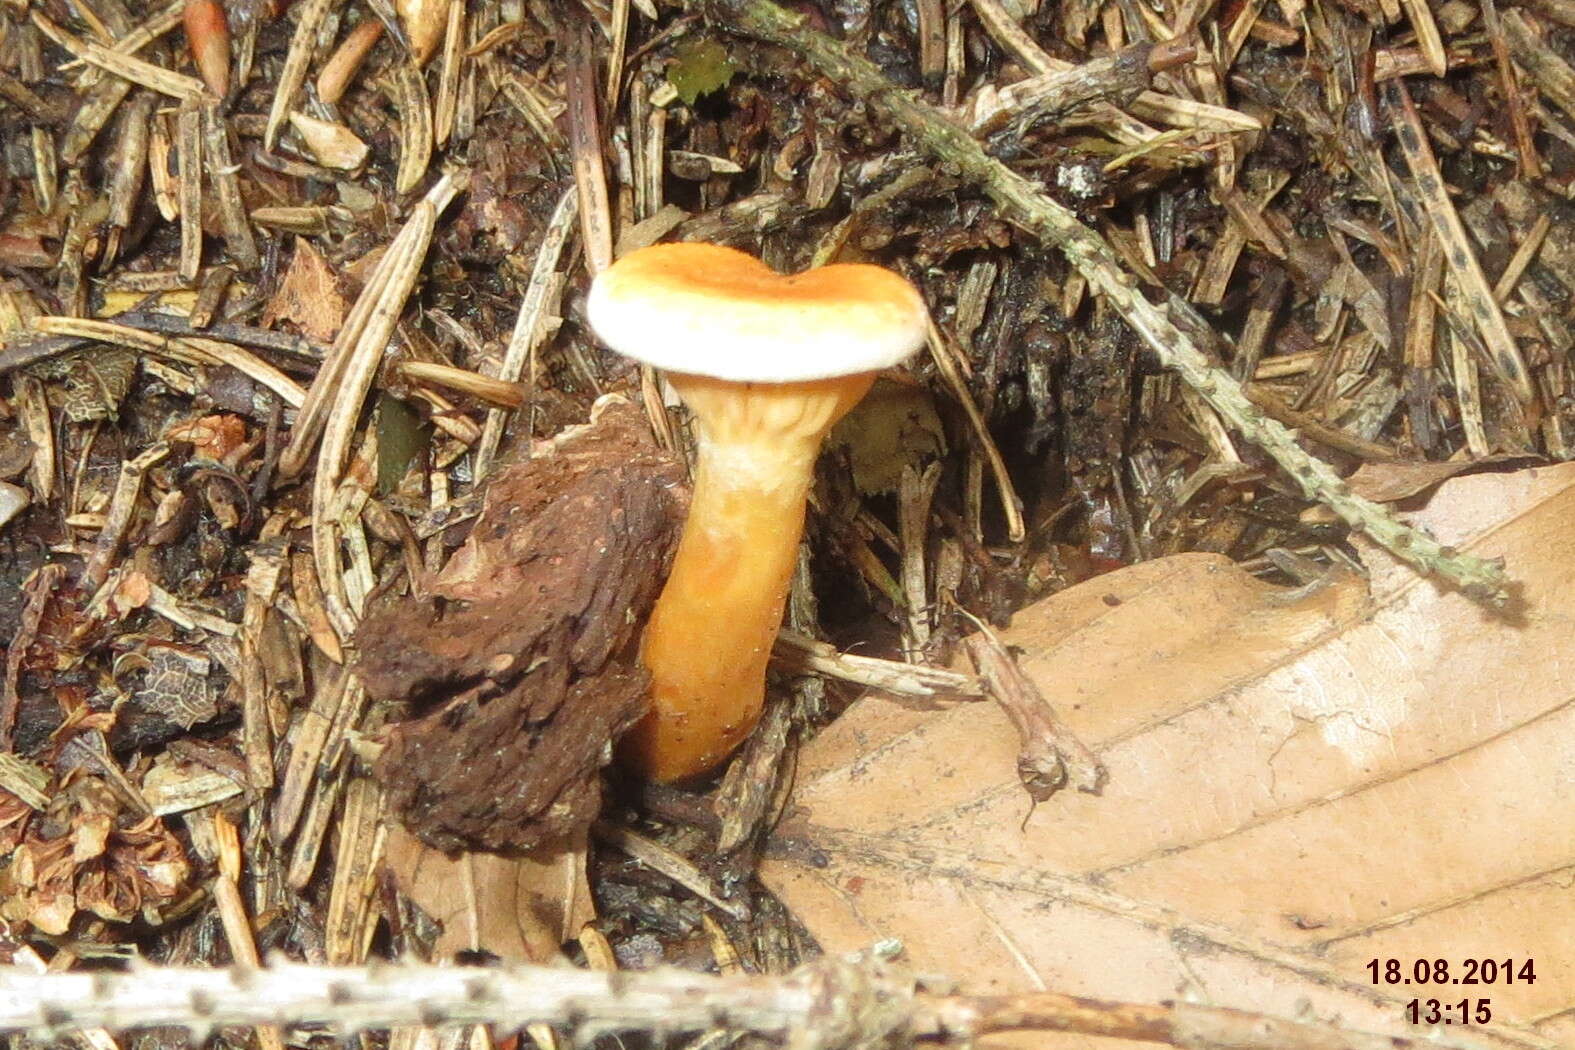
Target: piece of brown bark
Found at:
x=525, y=667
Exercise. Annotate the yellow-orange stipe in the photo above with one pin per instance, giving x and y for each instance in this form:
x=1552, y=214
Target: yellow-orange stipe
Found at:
x=710, y=636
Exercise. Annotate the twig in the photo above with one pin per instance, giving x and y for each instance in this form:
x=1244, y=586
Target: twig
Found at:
x=661, y=859
x=1458, y=253
x=38, y=589
x=1022, y=202
x=529, y=327
x=118, y=518
x=802, y=654
x=1050, y=756
x=830, y=1004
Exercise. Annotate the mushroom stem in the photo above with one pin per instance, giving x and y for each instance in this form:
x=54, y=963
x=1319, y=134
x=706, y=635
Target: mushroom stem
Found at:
x=710, y=635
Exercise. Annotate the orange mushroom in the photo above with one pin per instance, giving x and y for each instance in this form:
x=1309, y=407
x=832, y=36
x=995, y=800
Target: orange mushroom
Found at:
x=767, y=363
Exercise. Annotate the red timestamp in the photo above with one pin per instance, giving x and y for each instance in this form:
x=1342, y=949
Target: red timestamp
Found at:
x=1442, y=971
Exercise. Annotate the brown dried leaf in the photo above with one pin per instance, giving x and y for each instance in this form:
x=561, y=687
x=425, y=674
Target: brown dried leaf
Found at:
x=176, y=685
x=309, y=296
x=82, y=858
x=1299, y=782
x=211, y=437
x=518, y=908
x=1387, y=482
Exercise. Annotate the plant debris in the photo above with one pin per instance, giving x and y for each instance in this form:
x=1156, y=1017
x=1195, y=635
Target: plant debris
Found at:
x=295, y=375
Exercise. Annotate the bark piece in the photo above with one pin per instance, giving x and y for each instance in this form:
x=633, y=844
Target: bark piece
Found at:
x=526, y=670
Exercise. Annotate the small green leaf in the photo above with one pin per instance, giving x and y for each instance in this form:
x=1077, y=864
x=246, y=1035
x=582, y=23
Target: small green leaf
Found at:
x=700, y=66
x=401, y=437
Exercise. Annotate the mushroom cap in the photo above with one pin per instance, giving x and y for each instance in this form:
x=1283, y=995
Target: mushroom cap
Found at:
x=714, y=311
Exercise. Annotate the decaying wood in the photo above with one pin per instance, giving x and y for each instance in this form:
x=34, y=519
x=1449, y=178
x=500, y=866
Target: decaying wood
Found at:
x=520, y=698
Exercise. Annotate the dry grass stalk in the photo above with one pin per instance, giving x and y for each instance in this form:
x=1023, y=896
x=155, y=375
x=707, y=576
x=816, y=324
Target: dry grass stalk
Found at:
x=314, y=410
x=408, y=90
x=33, y=407
x=262, y=584
x=302, y=44
x=530, y=325
x=585, y=145
x=112, y=333
x=617, y=51
x=661, y=859
x=117, y=520
x=1525, y=252
x=947, y=361
x=135, y=70
x=505, y=395
x=313, y=828
x=385, y=297
x=224, y=177
x=1554, y=76
x=1429, y=43
x=91, y=116
x=210, y=294
x=128, y=167
x=28, y=781
x=188, y=151
x=336, y=706
x=233, y=918
x=132, y=41
x=249, y=364
x=1047, y=95
x=1525, y=146
x=446, y=109
x=358, y=856
x=1477, y=297
x=805, y=655
x=1149, y=105
x=307, y=221
x=46, y=171
x=753, y=782
x=932, y=38
x=537, y=103
x=913, y=517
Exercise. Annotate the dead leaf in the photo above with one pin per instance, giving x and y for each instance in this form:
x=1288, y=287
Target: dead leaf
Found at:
x=1388, y=482
x=1299, y=783
x=309, y=296
x=518, y=908
x=211, y=437
x=896, y=424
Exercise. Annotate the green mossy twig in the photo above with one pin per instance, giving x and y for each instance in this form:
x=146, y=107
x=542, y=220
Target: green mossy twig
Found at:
x=1021, y=201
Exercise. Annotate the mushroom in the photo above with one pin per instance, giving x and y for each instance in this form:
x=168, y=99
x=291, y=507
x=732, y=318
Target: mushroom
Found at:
x=766, y=363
